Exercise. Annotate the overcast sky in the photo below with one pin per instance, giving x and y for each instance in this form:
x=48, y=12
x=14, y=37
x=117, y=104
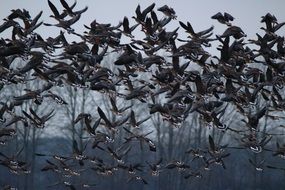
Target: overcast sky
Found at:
x=247, y=13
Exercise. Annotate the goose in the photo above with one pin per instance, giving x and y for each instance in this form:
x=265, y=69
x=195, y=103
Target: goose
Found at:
x=38, y=121
x=225, y=18
x=142, y=139
x=168, y=11
x=141, y=16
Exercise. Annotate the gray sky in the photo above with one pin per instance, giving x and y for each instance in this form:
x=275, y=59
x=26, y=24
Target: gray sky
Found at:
x=198, y=13
x=247, y=13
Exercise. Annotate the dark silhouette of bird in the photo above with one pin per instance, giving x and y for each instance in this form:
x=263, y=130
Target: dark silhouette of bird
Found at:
x=225, y=18
x=168, y=11
x=36, y=120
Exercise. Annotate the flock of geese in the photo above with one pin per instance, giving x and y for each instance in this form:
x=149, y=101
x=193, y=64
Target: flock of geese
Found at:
x=240, y=77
